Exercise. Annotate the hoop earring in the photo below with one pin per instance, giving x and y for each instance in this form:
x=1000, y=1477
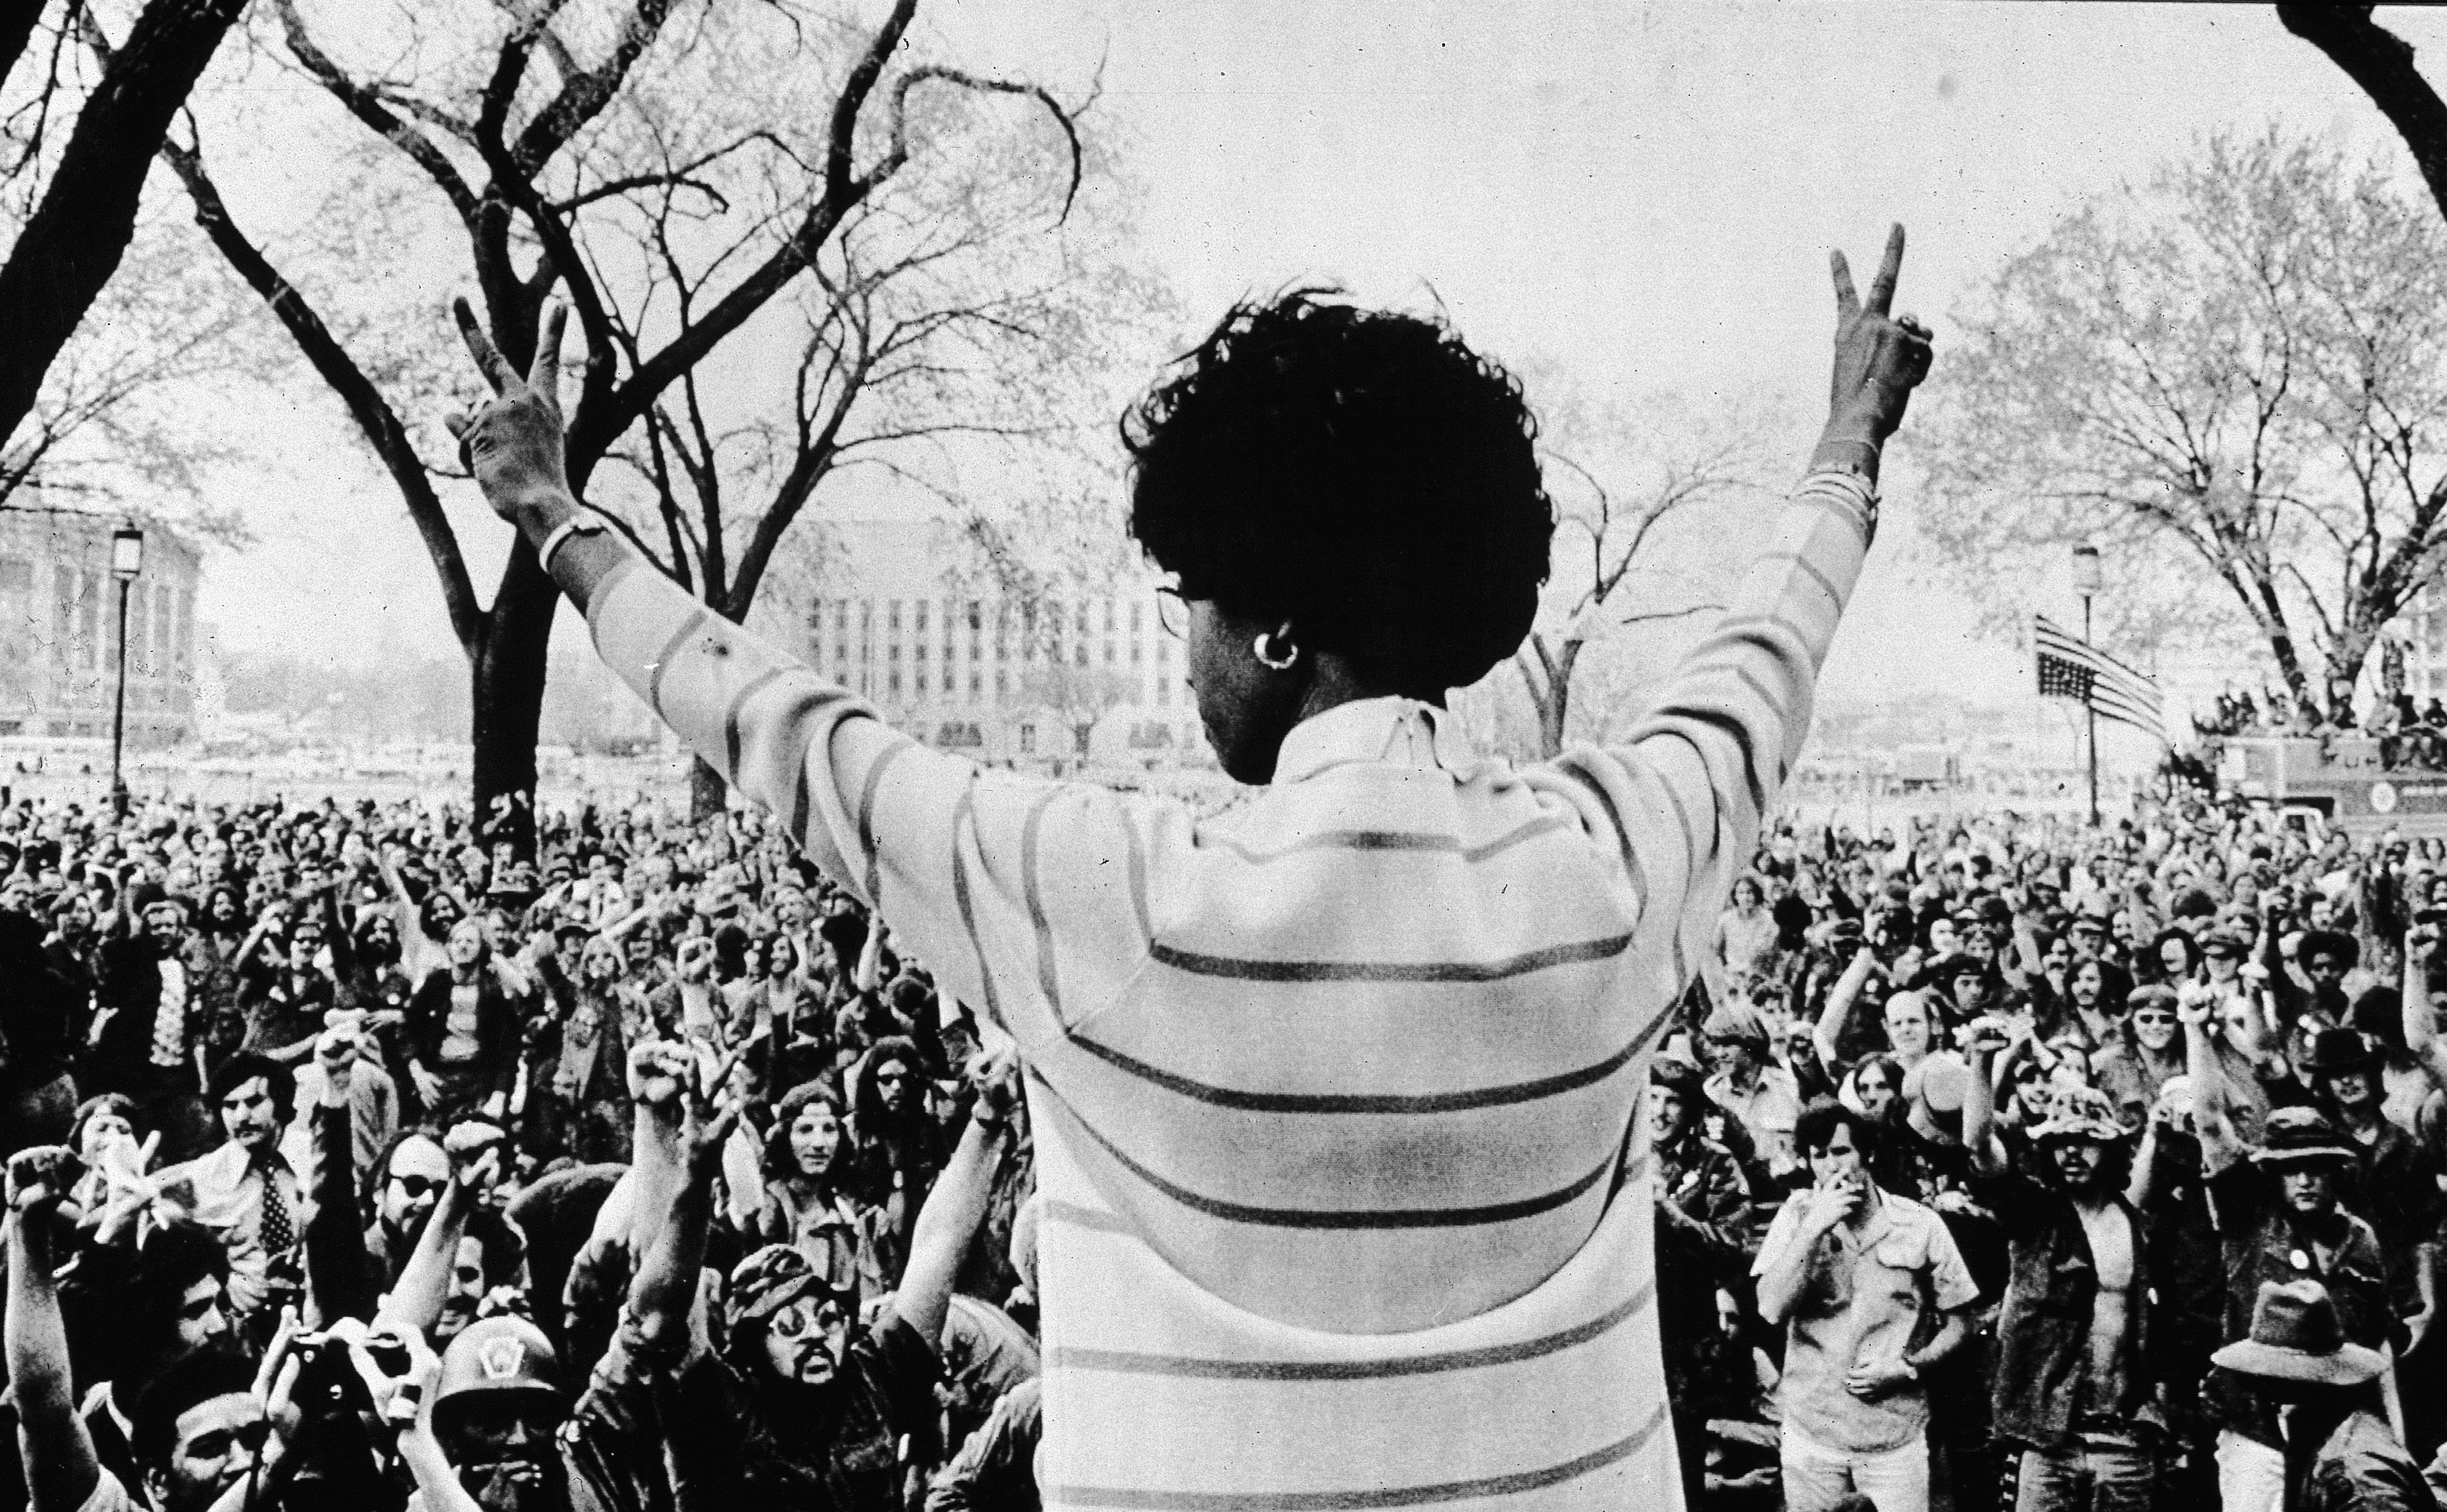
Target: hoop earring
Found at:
x=1288, y=653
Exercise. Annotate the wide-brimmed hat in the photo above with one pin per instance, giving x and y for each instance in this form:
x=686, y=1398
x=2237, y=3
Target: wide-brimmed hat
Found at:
x=1735, y=1023
x=2226, y=940
x=2326, y=942
x=2295, y=1337
x=2338, y=1050
x=2079, y=1113
x=2298, y=1136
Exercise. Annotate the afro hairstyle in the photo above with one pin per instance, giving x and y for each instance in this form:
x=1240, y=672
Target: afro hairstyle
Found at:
x=1362, y=473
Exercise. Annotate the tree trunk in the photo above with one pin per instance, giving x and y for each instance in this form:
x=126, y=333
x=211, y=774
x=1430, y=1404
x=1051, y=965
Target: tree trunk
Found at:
x=72, y=243
x=508, y=678
x=1554, y=702
x=709, y=795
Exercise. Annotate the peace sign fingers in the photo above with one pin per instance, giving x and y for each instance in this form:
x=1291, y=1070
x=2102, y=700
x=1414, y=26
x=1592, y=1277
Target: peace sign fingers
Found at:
x=1848, y=302
x=489, y=361
x=544, y=377
x=1881, y=287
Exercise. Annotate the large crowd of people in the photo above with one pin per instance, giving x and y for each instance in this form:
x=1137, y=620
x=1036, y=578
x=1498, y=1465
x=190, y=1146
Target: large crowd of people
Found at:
x=1994, y=1160
x=2029, y=1164
x=353, y=1161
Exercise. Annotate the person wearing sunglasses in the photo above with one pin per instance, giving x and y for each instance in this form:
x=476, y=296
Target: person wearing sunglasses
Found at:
x=403, y=1184
x=2145, y=1051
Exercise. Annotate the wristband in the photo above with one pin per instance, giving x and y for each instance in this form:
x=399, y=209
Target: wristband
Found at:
x=585, y=523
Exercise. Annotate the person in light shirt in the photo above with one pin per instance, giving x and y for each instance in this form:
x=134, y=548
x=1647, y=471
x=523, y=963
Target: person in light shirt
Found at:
x=1332, y=1094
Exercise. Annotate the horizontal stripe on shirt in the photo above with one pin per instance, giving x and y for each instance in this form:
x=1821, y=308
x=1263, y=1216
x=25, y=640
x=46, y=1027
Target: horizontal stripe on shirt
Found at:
x=1493, y=1485
x=1345, y=1066
x=1420, y=1103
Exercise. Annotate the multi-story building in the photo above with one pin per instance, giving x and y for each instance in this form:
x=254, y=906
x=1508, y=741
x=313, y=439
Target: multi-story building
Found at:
x=904, y=615
x=58, y=632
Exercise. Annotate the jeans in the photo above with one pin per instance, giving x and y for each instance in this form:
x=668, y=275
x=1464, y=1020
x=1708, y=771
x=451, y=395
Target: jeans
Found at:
x=2251, y=1476
x=2101, y=1472
x=1817, y=1477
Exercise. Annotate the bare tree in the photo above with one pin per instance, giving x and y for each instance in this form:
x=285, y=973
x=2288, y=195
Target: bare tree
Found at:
x=1618, y=476
x=112, y=426
x=952, y=315
x=72, y=208
x=2235, y=367
x=530, y=140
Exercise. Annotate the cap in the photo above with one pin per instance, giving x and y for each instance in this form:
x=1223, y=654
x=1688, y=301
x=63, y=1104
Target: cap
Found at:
x=502, y=1353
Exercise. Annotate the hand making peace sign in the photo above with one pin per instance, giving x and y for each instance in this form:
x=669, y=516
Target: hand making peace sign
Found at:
x=513, y=444
x=1878, y=360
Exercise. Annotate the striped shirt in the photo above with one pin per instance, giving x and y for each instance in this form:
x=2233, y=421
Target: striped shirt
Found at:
x=1334, y=1094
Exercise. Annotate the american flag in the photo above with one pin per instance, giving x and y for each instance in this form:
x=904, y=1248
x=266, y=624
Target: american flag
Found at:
x=2073, y=668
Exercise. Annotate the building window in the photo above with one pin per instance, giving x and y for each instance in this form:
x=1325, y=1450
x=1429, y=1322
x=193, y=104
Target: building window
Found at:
x=1109, y=653
x=1162, y=651
x=1083, y=655
x=1002, y=684
x=976, y=617
x=893, y=683
x=1027, y=740
x=892, y=652
x=976, y=686
x=1137, y=648
x=1163, y=690
x=920, y=680
x=1083, y=617
x=921, y=615
x=1108, y=616
x=1135, y=617
x=892, y=616
x=976, y=651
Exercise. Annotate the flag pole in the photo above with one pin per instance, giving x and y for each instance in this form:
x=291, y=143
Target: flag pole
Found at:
x=2090, y=709
x=2087, y=581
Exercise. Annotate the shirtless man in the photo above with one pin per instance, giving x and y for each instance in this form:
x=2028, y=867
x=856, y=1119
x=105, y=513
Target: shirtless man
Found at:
x=2072, y=1383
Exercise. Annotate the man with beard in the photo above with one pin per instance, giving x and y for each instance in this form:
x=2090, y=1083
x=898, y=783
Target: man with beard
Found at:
x=147, y=1040
x=408, y=1183
x=2278, y=1221
x=198, y=1430
x=2074, y=1386
x=804, y=1408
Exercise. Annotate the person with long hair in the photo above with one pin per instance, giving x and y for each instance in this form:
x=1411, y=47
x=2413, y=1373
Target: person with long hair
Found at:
x=811, y=1196
x=1342, y=1074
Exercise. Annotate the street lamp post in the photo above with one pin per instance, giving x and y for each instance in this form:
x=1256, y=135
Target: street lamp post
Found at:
x=126, y=562
x=2086, y=581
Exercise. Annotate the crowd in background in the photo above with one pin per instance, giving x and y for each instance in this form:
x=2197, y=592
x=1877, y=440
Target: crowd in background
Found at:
x=356, y=1161
x=2018, y=1163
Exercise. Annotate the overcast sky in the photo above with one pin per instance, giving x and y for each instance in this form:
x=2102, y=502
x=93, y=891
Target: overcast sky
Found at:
x=1640, y=197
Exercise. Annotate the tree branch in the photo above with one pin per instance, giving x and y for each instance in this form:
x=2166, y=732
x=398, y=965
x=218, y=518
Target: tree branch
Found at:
x=935, y=72
x=2381, y=63
x=365, y=402
x=368, y=107
x=74, y=239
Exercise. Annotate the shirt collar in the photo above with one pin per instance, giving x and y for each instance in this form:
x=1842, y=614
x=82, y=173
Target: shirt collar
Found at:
x=1396, y=731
